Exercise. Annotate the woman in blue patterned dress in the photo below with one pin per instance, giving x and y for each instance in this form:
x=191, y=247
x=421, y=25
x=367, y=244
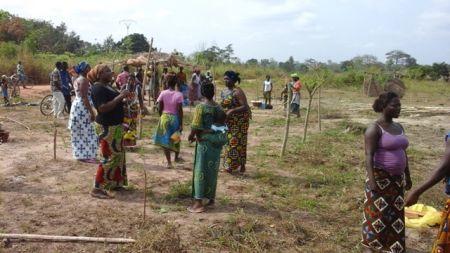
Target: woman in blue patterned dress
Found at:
x=82, y=116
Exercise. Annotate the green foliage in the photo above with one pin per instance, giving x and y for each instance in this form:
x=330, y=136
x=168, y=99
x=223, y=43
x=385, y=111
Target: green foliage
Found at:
x=8, y=50
x=134, y=43
x=180, y=191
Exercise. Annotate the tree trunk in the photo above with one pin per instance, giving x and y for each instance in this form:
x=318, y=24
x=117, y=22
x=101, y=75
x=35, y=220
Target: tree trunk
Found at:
x=288, y=121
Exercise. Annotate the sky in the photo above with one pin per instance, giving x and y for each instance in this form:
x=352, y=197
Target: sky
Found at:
x=334, y=30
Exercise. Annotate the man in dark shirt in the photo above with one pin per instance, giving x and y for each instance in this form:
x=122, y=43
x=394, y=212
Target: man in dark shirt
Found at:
x=66, y=85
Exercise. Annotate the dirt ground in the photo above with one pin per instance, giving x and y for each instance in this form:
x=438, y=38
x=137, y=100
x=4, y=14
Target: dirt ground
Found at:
x=40, y=195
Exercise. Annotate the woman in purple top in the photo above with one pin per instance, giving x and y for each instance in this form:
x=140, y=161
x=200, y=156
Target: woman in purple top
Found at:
x=387, y=178
x=170, y=126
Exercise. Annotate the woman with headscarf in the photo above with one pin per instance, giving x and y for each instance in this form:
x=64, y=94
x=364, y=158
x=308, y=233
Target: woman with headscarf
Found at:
x=238, y=113
x=111, y=172
x=170, y=126
x=82, y=116
x=207, y=116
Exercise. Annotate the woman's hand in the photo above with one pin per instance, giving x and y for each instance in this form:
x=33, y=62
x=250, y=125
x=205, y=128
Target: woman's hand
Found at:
x=124, y=93
x=92, y=117
x=412, y=198
x=191, y=137
x=229, y=112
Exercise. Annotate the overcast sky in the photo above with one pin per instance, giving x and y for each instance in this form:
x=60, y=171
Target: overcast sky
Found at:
x=324, y=30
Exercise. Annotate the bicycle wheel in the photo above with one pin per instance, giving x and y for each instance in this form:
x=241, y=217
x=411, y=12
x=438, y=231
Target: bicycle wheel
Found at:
x=46, y=105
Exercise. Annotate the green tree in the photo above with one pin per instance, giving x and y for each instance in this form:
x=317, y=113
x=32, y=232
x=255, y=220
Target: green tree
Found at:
x=134, y=43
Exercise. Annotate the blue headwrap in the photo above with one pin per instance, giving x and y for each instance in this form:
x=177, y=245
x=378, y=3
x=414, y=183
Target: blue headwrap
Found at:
x=234, y=76
x=81, y=67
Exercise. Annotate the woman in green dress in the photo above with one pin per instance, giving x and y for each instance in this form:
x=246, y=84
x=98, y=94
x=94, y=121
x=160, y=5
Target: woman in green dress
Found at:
x=209, y=130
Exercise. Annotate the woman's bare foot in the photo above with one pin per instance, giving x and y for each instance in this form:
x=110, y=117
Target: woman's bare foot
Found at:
x=100, y=194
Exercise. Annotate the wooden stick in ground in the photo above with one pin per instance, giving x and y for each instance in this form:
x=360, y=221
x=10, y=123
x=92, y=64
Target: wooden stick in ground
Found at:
x=145, y=187
x=57, y=238
x=18, y=122
x=145, y=81
x=288, y=121
x=54, y=139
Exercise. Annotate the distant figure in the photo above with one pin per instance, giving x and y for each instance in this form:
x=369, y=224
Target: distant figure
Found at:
x=122, y=78
x=182, y=86
x=170, y=126
x=295, y=102
x=131, y=111
x=194, y=89
x=267, y=90
x=82, y=117
x=210, y=132
x=284, y=96
x=66, y=85
x=235, y=104
x=387, y=179
x=164, y=76
x=20, y=71
x=4, y=84
x=56, y=87
x=442, y=243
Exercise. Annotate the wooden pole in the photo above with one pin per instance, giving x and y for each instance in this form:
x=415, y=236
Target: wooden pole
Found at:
x=288, y=121
x=145, y=187
x=54, y=139
x=57, y=238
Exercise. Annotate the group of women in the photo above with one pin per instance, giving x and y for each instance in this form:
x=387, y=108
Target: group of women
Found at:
x=213, y=126
x=388, y=177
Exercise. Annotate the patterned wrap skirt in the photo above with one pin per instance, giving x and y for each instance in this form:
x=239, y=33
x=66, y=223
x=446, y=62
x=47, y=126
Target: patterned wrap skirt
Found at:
x=236, y=150
x=111, y=171
x=206, y=165
x=384, y=214
x=168, y=125
x=442, y=244
x=82, y=131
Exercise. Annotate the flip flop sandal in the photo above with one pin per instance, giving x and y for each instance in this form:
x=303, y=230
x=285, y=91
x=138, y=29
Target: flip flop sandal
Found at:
x=191, y=210
x=101, y=195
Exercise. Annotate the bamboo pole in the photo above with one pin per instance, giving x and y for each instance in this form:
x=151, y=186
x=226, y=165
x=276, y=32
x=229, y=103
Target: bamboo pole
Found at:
x=311, y=95
x=58, y=238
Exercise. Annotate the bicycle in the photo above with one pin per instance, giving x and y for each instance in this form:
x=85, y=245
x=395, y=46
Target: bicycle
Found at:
x=46, y=106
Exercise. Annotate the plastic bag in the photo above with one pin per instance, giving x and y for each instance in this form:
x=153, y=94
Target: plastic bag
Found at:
x=428, y=217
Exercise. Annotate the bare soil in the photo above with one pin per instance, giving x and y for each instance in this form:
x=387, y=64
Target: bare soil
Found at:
x=44, y=196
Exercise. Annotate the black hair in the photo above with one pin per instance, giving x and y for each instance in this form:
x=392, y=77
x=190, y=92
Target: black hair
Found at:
x=220, y=117
x=267, y=76
x=172, y=79
x=207, y=89
x=58, y=64
x=126, y=68
x=65, y=65
x=234, y=76
x=383, y=100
